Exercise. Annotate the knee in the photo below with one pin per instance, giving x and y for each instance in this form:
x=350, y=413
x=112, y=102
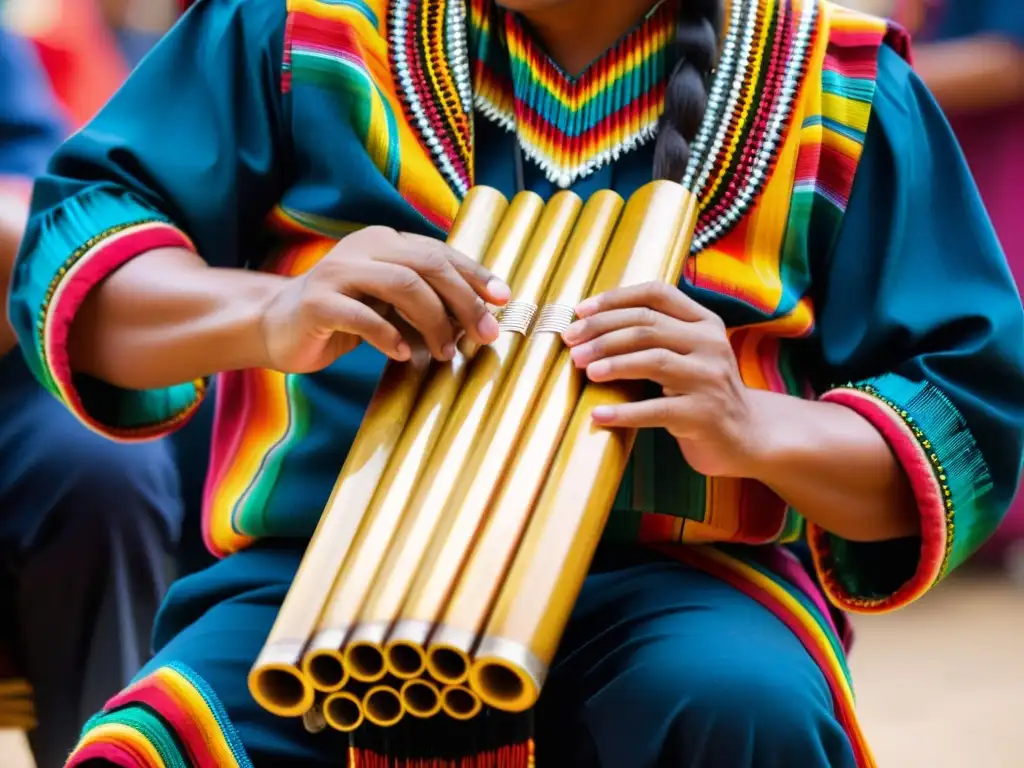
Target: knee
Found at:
x=762, y=714
x=114, y=489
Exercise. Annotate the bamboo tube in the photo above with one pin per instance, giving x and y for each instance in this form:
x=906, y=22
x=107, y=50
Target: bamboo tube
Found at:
x=421, y=698
x=343, y=711
x=460, y=703
x=420, y=432
x=412, y=547
x=383, y=706
x=533, y=607
x=506, y=476
x=275, y=680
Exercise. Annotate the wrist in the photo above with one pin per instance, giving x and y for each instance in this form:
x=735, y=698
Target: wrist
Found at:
x=248, y=309
x=771, y=435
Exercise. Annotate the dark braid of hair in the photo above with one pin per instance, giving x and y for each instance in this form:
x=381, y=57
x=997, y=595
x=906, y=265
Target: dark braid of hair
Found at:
x=686, y=92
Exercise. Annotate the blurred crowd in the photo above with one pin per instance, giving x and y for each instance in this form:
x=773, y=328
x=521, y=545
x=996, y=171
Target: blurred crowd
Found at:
x=138, y=506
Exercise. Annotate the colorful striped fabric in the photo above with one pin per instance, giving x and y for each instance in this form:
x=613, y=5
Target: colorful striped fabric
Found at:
x=169, y=719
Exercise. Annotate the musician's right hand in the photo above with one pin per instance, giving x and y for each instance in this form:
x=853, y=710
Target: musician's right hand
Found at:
x=348, y=297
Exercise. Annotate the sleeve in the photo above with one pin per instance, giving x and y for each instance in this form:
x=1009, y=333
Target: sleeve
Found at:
x=30, y=123
x=921, y=325
x=188, y=153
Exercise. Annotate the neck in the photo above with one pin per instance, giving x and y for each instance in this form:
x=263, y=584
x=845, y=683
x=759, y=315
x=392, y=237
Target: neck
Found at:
x=576, y=32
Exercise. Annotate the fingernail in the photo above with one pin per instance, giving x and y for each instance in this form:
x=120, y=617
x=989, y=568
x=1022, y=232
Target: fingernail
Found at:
x=586, y=307
x=448, y=351
x=498, y=290
x=403, y=351
x=598, y=369
x=571, y=333
x=603, y=413
x=488, y=326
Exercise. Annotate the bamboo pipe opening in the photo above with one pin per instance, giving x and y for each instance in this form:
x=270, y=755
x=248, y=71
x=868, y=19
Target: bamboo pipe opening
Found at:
x=405, y=660
x=421, y=698
x=365, y=662
x=383, y=706
x=448, y=664
x=460, y=703
x=502, y=685
x=281, y=690
x=343, y=711
x=326, y=669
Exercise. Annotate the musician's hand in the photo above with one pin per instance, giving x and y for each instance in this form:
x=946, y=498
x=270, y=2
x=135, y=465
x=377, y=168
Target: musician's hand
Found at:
x=348, y=297
x=655, y=332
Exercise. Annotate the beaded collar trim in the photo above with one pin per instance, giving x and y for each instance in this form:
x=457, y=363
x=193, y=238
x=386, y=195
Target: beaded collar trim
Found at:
x=446, y=64
x=571, y=126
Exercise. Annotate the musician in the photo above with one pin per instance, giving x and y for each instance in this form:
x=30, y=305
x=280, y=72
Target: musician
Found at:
x=845, y=342
x=85, y=525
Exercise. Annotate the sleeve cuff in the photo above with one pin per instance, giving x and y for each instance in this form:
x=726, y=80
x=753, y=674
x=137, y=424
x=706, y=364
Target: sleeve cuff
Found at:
x=947, y=473
x=100, y=235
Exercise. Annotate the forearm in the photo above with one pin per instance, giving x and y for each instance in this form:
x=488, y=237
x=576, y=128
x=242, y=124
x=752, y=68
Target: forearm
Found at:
x=972, y=73
x=167, y=317
x=833, y=466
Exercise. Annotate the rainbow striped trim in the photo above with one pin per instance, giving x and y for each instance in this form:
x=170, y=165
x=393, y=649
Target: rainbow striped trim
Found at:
x=95, y=260
x=798, y=612
x=168, y=719
x=571, y=126
x=946, y=470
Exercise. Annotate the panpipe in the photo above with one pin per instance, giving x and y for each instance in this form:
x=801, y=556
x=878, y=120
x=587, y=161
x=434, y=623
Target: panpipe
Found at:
x=456, y=540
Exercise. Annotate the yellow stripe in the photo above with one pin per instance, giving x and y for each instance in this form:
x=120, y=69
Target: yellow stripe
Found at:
x=116, y=733
x=197, y=708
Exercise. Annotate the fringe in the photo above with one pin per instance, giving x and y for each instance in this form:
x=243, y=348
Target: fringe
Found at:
x=491, y=740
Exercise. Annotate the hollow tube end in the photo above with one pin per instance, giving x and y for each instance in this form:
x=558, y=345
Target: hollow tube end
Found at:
x=421, y=698
x=383, y=706
x=281, y=689
x=506, y=675
x=460, y=703
x=405, y=660
x=365, y=662
x=343, y=711
x=325, y=669
x=448, y=664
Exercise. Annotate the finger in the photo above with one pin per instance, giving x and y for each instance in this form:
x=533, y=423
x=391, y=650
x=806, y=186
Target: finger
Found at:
x=591, y=327
x=485, y=283
x=662, y=366
x=342, y=314
x=413, y=299
x=658, y=296
x=644, y=414
x=435, y=263
x=670, y=334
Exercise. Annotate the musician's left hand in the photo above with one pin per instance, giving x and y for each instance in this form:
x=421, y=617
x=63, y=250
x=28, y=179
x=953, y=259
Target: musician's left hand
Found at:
x=656, y=332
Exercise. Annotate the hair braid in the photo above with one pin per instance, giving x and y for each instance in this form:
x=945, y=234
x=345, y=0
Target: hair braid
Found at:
x=686, y=93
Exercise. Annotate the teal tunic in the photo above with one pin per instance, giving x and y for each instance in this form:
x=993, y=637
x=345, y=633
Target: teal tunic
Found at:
x=914, y=304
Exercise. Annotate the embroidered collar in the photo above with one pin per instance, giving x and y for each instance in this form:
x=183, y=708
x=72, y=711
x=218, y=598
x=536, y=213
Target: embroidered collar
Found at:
x=446, y=64
x=571, y=126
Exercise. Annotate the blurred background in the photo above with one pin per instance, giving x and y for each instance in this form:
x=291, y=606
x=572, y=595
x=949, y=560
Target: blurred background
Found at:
x=938, y=683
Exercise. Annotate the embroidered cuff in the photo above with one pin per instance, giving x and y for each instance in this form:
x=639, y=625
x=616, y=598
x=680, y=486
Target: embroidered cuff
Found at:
x=68, y=254
x=947, y=473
